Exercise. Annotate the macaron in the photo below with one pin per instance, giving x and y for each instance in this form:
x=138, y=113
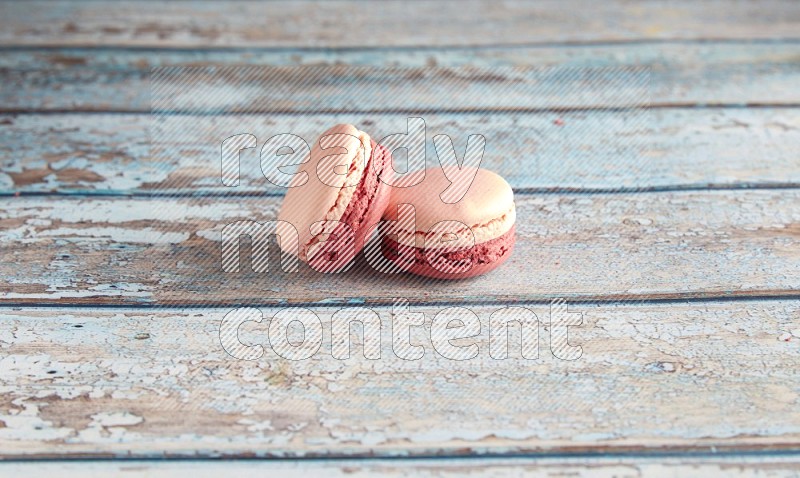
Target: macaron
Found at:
x=469, y=237
x=338, y=199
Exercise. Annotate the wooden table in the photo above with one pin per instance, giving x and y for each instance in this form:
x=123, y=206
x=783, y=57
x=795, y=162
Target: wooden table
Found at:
x=682, y=251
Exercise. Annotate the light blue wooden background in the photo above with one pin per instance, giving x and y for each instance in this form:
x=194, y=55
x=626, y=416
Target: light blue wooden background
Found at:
x=682, y=250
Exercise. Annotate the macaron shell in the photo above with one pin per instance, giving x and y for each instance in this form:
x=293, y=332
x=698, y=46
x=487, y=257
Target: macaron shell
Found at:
x=487, y=208
x=483, y=257
x=317, y=200
x=364, y=211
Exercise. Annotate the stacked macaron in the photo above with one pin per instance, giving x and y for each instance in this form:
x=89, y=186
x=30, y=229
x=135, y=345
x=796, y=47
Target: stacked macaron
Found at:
x=342, y=196
x=347, y=191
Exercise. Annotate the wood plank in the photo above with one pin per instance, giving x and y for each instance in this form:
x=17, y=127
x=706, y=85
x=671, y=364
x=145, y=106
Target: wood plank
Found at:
x=607, y=247
x=669, y=148
x=680, y=74
x=396, y=24
x=585, y=467
x=708, y=377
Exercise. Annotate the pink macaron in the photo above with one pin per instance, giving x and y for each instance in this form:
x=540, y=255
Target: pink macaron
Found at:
x=456, y=240
x=342, y=197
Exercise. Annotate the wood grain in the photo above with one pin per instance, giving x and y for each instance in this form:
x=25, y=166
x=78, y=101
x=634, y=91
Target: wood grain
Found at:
x=607, y=247
x=775, y=466
x=652, y=378
x=352, y=24
x=679, y=74
x=670, y=148
x=123, y=358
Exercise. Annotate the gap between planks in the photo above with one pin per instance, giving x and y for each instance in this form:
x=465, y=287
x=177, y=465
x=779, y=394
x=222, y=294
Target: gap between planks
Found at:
x=90, y=49
x=518, y=191
x=363, y=302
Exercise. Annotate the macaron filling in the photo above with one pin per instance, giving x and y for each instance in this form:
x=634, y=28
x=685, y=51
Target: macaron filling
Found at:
x=487, y=252
x=478, y=233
